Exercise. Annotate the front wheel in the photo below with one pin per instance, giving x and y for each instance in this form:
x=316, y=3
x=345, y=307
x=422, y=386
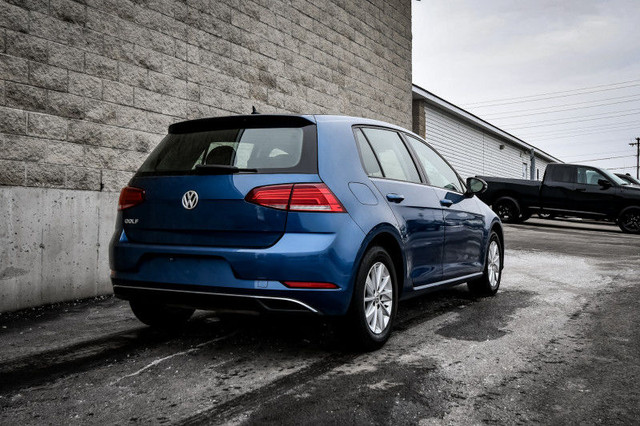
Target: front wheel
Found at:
x=488, y=284
x=629, y=220
x=375, y=300
x=160, y=316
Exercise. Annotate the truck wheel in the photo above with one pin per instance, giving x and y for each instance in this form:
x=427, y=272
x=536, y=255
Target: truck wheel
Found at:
x=546, y=215
x=488, y=284
x=160, y=316
x=507, y=210
x=374, y=302
x=629, y=220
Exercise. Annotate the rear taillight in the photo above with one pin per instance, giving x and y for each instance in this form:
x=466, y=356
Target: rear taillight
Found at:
x=129, y=197
x=275, y=196
x=299, y=197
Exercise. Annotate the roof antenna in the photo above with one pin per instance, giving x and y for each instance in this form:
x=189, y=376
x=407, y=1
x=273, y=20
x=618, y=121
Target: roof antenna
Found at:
x=254, y=110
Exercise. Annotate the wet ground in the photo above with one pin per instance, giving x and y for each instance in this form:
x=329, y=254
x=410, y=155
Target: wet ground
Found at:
x=559, y=344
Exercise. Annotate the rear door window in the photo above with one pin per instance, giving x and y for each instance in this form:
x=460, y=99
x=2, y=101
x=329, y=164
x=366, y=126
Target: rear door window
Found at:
x=369, y=160
x=392, y=154
x=268, y=150
x=566, y=174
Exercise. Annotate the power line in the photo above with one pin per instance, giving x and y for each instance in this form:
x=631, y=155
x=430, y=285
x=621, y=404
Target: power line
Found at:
x=552, y=97
x=579, y=128
x=597, y=153
x=554, y=137
x=608, y=158
x=549, y=111
x=620, y=168
x=608, y=114
x=634, y=123
x=557, y=92
x=573, y=121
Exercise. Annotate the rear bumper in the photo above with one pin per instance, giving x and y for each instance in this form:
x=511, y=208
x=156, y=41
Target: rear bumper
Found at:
x=215, y=277
x=204, y=297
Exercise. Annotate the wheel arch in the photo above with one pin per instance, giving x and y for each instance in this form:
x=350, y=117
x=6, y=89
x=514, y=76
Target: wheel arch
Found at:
x=629, y=207
x=387, y=237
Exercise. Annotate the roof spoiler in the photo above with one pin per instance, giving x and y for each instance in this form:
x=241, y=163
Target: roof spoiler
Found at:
x=240, y=122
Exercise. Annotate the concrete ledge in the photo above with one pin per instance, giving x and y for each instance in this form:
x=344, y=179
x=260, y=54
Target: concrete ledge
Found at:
x=53, y=245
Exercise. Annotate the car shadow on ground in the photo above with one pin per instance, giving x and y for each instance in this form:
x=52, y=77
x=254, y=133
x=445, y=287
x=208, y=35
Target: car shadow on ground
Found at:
x=246, y=333
x=603, y=227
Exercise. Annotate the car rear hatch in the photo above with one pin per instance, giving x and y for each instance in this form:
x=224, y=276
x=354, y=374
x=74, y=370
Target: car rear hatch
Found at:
x=194, y=183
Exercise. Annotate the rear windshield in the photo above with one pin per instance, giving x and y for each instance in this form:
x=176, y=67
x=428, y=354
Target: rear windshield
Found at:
x=265, y=150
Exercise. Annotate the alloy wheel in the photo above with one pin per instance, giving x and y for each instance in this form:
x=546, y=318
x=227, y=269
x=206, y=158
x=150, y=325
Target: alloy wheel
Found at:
x=506, y=211
x=493, y=267
x=378, y=298
x=631, y=221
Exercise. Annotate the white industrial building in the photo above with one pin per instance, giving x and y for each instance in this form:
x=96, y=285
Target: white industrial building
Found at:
x=473, y=146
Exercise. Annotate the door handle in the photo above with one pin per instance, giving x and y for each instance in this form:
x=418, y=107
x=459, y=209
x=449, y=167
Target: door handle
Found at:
x=580, y=189
x=395, y=198
x=446, y=203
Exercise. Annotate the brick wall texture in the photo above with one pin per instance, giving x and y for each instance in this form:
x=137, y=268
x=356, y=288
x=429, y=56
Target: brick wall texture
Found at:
x=88, y=88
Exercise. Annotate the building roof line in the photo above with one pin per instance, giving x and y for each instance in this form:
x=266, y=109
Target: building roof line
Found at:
x=420, y=93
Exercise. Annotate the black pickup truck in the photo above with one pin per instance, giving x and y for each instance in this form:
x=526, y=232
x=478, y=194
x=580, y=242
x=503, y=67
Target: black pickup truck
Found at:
x=568, y=190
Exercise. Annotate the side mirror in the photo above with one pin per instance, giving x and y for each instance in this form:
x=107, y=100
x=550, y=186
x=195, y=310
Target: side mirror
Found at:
x=475, y=186
x=604, y=183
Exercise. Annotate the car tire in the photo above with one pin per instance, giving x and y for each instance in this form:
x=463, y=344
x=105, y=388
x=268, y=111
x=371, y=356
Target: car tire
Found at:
x=546, y=215
x=629, y=220
x=507, y=210
x=489, y=282
x=374, y=302
x=160, y=316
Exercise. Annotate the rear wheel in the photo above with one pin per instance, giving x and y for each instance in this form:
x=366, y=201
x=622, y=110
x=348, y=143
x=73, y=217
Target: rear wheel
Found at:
x=629, y=220
x=375, y=300
x=546, y=215
x=507, y=210
x=488, y=284
x=160, y=316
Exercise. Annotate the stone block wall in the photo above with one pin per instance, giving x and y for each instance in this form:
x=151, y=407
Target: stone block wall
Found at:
x=88, y=88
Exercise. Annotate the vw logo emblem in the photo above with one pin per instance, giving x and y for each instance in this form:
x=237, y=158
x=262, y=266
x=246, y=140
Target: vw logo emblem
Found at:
x=190, y=200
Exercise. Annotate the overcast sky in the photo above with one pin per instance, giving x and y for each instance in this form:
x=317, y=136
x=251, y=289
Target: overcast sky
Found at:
x=506, y=61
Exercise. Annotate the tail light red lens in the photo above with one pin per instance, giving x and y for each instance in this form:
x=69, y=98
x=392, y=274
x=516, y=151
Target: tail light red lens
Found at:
x=129, y=197
x=274, y=196
x=299, y=197
x=308, y=284
x=314, y=197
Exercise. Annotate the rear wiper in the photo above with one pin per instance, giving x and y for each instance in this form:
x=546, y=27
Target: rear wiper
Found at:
x=221, y=169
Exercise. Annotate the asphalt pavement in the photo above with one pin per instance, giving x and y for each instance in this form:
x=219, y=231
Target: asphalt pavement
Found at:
x=559, y=344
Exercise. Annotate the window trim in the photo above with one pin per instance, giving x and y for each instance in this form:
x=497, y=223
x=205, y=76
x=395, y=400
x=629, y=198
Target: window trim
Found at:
x=402, y=140
x=366, y=140
x=577, y=166
x=463, y=185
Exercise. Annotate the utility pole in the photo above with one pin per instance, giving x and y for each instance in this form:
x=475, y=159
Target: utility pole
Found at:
x=637, y=144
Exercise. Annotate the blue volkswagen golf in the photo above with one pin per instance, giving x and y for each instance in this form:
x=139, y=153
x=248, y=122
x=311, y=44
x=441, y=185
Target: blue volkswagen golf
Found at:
x=329, y=215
